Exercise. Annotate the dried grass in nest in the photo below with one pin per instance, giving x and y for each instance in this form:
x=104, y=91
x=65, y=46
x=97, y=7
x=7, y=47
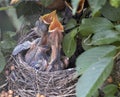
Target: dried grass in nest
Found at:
x=26, y=81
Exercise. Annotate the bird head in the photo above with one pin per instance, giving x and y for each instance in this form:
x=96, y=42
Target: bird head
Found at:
x=56, y=25
x=48, y=18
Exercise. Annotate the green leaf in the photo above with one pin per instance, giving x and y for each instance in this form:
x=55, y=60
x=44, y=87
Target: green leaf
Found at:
x=94, y=77
x=7, y=44
x=2, y=62
x=28, y=9
x=69, y=43
x=105, y=37
x=46, y=2
x=110, y=12
x=93, y=25
x=117, y=27
x=86, y=43
x=115, y=3
x=5, y=8
x=11, y=34
x=93, y=55
x=71, y=23
x=75, y=5
x=110, y=90
x=96, y=94
x=96, y=5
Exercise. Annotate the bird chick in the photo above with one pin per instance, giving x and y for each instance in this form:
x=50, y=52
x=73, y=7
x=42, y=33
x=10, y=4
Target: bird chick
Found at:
x=41, y=30
x=55, y=39
x=48, y=18
x=36, y=56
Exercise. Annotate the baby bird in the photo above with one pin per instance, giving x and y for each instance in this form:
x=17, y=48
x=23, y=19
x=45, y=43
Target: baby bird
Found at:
x=55, y=39
x=37, y=57
x=41, y=30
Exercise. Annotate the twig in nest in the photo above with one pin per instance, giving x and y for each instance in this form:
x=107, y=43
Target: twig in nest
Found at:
x=2, y=86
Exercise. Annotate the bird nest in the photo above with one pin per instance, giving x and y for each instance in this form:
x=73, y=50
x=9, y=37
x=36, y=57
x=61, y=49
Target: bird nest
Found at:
x=28, y=78
x=25, y=81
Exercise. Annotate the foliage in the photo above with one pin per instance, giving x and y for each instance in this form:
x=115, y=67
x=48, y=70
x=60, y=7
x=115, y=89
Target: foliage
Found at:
x=46, y=2
x=75, y=5
x=94, y=76
x=2, y=61
x=69, y=43
x=70, y=24
x=4, y=8
x=96, y=5
x=96, y=63
x=93, y=25
x=110, y=90
x=99, y=32
x=6, y=46
x=110, y=12
x=93, y=55
x=115, y=3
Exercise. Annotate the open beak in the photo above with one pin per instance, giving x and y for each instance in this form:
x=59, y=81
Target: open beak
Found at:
x=55, y=38
x=48, y=18
x=52, y=19
x=56, y=25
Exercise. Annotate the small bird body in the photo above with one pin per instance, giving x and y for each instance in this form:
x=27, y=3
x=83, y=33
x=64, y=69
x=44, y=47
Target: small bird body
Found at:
x=37, y=58
x=55, y=39
x=41, y=30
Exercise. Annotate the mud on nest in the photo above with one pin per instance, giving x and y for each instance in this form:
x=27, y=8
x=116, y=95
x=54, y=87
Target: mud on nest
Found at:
x=26, y=80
